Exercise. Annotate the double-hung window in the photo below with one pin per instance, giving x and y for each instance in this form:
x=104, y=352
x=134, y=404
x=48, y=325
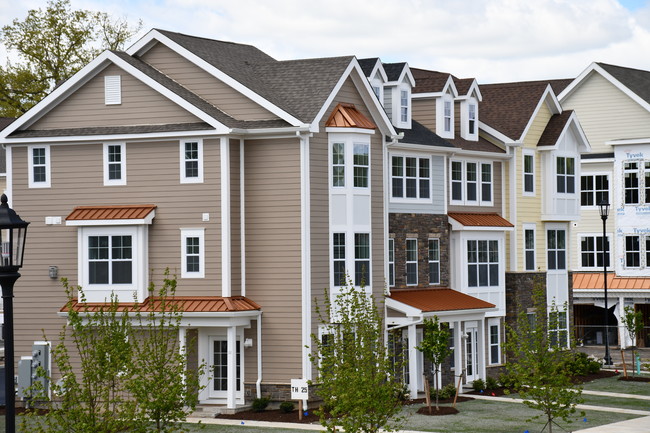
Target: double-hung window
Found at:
x=338, y=255
x=472, y=118
x=565, y=175
x=594, y=189
x=193, y=252
x=357, y=259
x=591, y=251
x=482, y=263
x=361, y=164
x=471, y=182
x=39, y=166
x=191, y=157
x=529, y=247
x=631, y=182
x=529, y=173
x=114, y=164
x=411, y=262
x=556, y=249
x=632, y=252
x=495, y=341
x=434, y=261
x=410, y=177
x=338, y=164
x=404, y=105
x=447, y=116
x=558, y=328
x=361, y=259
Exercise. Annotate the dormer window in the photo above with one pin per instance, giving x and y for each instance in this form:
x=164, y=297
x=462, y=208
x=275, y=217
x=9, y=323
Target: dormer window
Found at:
x=404, y=105
x=472, y=119
x=377, y=91
x=447, y=116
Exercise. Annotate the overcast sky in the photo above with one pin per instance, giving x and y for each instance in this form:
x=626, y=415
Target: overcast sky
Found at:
x=491, y=40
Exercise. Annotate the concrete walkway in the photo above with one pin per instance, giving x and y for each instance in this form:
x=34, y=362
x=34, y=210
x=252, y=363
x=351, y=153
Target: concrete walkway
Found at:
x=636, y=425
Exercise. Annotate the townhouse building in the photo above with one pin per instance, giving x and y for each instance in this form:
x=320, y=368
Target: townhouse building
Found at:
x=613, y=104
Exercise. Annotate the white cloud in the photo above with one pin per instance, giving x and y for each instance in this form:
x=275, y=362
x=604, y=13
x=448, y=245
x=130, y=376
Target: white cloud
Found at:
x=492, y=40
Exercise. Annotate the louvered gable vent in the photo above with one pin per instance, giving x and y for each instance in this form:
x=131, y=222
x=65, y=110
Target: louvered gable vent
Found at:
x=112, y=90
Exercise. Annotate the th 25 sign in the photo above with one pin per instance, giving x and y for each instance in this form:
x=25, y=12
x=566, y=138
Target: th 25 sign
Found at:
x=299, y=389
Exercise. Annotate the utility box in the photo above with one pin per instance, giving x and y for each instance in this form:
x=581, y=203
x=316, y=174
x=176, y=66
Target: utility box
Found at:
x=41, y=358
x=24, y=376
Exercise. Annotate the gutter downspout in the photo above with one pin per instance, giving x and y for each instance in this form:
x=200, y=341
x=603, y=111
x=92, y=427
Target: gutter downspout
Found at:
x=258, y=384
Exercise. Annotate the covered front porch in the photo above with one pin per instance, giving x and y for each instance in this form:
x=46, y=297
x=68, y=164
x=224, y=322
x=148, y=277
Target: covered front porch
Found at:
x=467, y=318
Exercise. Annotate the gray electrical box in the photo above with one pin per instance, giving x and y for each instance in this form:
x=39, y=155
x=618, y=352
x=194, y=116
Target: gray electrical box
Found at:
x=24, y=376
x=41, y=358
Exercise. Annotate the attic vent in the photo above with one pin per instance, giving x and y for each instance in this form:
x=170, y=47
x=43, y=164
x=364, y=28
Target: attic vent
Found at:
x=112, y=90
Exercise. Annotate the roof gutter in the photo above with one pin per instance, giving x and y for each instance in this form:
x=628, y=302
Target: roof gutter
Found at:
x=265, y=131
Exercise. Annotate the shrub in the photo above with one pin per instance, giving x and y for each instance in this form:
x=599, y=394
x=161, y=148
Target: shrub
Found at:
x=491, y=383
x=286, y=406
x=579, y=364
x=447, y=391
x=506, y=381
x=478, y=385
x=403, y=393
x=259, y=404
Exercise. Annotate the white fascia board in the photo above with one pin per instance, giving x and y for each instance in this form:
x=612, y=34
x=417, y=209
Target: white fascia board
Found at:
x=406, y=73
x=574, y=124
x=507, y=141
x=450, y=85
x=402, y=308
x=460, y=315
x=458, y=227
x=596, y=160
x=628, y=141
x=426, y=95
x=147, y=41
x=290, y=130
x=595, y=68
x=368, y=96
x=379, y=67
x=125, y=222
x=474, y=88
x=548, y=98
x=344, y=130
x=87, y=139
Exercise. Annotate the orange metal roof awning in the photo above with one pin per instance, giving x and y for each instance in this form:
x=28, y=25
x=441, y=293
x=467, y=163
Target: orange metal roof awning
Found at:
x=430, y=300
x=594, y=281
x=135, y=213
x=347, y=116
x=186, y=304
x=480, y=219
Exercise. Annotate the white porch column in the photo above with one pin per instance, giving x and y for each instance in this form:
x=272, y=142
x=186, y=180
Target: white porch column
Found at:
x=413, y=362
x=458, y=350
x=182, y=342
x=481, y=356
x=232, y=367
x=623, y=337
x=226, y=261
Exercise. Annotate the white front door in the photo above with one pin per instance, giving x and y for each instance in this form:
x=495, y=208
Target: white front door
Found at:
x=472, y=367
x=218, y=368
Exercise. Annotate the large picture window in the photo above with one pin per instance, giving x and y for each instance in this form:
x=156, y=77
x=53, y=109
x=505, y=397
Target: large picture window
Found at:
x=482, y=263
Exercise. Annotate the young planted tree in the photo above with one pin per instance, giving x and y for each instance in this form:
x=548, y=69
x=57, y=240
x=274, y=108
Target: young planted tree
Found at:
x=435, y=348
x=130, y=374
x=51, y=45
x=355, y=366
x=633, y=322
x=536, y=364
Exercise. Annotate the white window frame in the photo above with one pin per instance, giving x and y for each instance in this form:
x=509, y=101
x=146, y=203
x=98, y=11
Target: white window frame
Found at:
x=30, y=163
x=489, y=262
x=479, y=182
x=528, y=153
x=442, y=120
x=469, y=118
x=358, y=260
x=593, y=191
x=418, y=179
x=336, y=258
x=122, y=164
x=191, y=179
x=494, y=322
x=596, y=251
x=636, y=172
x=408, y=262
x=404, y=106
x=448, y=116
x=139, y=254
x=527, y=228
x=626, y=251
x=556, y=250
x=187, y=233
x=356, y=166
x=565, y=176
x=337, y=164
x=432, y=261
x=349, y=141
x=391, y=262
x=562, y=327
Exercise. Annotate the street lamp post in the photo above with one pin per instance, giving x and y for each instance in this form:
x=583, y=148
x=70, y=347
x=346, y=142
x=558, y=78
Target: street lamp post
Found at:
x=604, y=212
x=13, y=232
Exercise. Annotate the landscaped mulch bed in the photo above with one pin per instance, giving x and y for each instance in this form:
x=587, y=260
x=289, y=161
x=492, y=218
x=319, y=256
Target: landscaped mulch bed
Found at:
x=460, y=399
x=442, y=410
x=634, y=379
x=602, y=374
x=274, y=415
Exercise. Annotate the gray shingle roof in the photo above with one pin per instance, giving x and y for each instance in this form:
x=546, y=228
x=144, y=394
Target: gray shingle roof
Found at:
x=367, y=65
x=420, y=134
x=110, y=130
x=394, y=70
x=554, y=128
x=299, y=87
x=637, y=80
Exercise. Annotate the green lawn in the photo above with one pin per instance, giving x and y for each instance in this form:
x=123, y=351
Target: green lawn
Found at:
x=612, y=384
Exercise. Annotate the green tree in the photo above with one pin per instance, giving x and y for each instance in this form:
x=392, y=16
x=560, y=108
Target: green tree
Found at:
x=435, y=348
x=536, y=364
x=52, y=45
x=633, y=322
x=130, y=374
x=356, y=367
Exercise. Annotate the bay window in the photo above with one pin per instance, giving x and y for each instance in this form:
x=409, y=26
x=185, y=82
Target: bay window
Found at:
x=482, y=263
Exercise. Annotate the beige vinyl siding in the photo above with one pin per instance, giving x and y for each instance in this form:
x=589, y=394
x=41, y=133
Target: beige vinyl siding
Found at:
x=497, y=193
x=141, y=105
x=273, y=253
x=529, y=208
x=424, y=111
x=606, y=113
x=205, y=85
x=77, y=179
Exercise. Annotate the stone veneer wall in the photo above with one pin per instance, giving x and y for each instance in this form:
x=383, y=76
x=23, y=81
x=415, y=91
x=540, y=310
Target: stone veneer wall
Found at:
x=519, y=292
x=423, y=227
